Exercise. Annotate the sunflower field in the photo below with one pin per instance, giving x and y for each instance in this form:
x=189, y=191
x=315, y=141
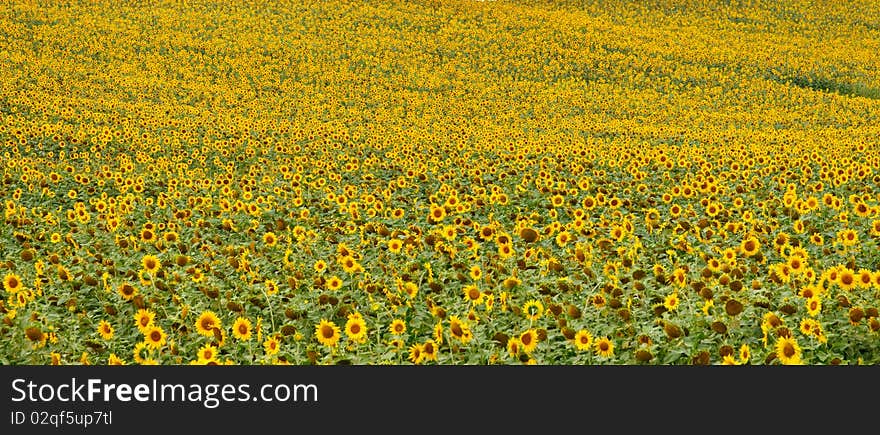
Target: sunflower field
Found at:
x=662, y=182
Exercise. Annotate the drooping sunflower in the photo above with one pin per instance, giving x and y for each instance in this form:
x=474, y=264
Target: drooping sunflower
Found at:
x=327, y=333
x=206, y=323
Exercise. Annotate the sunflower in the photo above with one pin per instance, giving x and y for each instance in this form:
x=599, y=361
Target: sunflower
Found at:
x=875, y=228
x=410, y=288
x=429, y=350
x=514, y=346
x=459, y=329
x=207, y=353
x=395, y=246
x=864, y=278
x=270, y=239
x=171, y=236
x=198, y=276
x=206, y=323
x=320, y=266
x=127, y=291
x=271, y=345
x=148, y=235
x=750, y=246
x=862, y=210
x=271, y=287
x=487, y=233
x=476, y=273
x=151, y=264
x=356, y=328
x=114, y=360
x=155, y=337
x=745, y=354
x=796, y=264
x=846, y=279
x=397, y=327
x=333, y=283
x=563, y=238
x=788, y=351
x=12, y=283
x=583, y=340
x=138, y=352
x=143, y=319
x=671, y=301
x=415, y=354
x=848, y=237
x=810, y=327
x=437, y=213
x=505, y=251
x=473, y=294
x=105, y=329
x=327, y=333
x=533, y=309
x=242, y=329
x=604, y=347
x=529, y=340
x=438, y=332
